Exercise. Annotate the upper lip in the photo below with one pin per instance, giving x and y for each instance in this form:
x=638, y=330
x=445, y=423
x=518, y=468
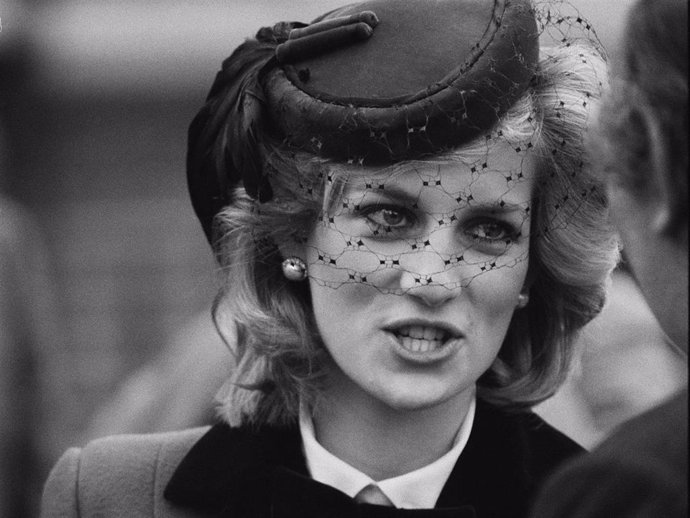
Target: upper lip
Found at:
x=451, y=330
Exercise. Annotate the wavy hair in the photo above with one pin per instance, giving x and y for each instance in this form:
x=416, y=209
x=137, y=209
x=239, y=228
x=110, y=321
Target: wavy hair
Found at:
x=270, y=321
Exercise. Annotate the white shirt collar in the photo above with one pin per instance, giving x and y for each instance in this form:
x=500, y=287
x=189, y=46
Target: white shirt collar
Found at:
x=417, y=489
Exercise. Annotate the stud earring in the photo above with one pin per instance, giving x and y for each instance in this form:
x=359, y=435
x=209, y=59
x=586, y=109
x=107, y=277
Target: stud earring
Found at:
x=523, y=300
x=294, y=269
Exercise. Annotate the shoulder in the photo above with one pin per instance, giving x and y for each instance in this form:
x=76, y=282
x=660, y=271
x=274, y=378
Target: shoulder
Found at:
x=538, y=431
x=525, y=442
x=509, y=453
x=543, y=448
x=641, y=469
x=116, y=476
x=540, y=443
x=661, y=434
x=133, y=448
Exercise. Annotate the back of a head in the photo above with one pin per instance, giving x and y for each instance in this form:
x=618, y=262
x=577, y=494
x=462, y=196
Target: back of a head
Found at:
x=643, y=139
x=647, y=125
x=657, y=30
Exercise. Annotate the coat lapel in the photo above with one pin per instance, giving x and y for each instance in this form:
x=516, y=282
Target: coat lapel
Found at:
x=490, y=473
x=507, y=457
x=228, y=466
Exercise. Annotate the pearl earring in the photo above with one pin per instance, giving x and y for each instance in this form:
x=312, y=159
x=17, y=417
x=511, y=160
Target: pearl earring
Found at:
x=523, y=300
x=294, y=269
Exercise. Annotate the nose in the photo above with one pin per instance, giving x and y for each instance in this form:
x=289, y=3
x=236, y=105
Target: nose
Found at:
x=426, y=278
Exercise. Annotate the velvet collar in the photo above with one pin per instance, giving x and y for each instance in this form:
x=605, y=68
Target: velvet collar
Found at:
x=506, y=456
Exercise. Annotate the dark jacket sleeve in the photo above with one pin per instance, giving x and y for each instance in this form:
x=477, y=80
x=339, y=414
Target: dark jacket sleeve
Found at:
x=604, y=487
x=640, y=472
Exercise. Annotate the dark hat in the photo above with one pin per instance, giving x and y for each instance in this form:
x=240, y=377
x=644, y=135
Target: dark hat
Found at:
x=372, y=83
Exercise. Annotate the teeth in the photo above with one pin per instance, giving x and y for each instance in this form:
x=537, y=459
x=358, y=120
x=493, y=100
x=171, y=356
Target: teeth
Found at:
x=422, y=332
x=431, y=334
x=419, y=346
x=421, y=339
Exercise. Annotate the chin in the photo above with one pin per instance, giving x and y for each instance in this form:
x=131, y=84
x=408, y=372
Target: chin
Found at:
x=413, y=402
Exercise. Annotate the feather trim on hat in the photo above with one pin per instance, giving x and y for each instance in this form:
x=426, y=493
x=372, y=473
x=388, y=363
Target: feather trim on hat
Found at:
x=224, y=147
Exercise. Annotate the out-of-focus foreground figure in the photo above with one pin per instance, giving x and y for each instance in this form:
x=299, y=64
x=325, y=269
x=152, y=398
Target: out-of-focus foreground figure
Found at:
x=642, y=470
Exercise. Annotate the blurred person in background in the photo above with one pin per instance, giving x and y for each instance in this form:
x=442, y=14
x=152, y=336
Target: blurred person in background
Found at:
x=32, y=359
x=176, y=390
x=642, y=469
x=17, y=357
x=404, y=275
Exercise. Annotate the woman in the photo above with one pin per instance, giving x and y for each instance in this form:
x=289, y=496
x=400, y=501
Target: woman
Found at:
x=409, y=242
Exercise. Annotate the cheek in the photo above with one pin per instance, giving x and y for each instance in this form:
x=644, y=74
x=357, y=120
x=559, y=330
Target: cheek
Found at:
x=495, y=296
x=338, y=261
x=339, y=310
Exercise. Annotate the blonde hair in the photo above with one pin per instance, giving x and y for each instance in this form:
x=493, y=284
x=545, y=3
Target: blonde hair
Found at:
x=279, y=352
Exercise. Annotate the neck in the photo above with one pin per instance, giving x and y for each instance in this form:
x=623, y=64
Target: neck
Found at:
x=385, y=442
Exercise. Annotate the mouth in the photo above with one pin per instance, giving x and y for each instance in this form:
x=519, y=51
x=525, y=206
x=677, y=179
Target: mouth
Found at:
x=423, y=338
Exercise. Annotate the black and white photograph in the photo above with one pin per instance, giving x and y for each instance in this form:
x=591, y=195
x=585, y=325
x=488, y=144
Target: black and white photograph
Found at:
x=336, y=259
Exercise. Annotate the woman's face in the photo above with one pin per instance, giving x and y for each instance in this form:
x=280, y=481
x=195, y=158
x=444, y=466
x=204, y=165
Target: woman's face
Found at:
x=415, y=275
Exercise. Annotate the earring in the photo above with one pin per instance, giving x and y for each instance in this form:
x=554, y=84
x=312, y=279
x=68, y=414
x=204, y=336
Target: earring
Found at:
x=294, y=269
x=523, y=300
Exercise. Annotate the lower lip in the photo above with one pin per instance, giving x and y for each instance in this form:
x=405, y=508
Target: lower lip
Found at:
x=442, y=353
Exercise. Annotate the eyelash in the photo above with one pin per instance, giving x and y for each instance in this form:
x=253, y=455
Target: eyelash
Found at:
x=508, y=231
x=369, y=212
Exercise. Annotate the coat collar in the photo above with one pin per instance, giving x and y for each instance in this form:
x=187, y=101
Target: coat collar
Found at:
x=226, y=462
x=495, y=473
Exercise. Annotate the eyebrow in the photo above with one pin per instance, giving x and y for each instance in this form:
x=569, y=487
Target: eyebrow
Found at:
x=392, y=193
x=397, y=194
x=500, y=206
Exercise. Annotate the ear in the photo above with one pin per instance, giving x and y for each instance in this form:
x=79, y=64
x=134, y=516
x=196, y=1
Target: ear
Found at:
x=665, y=214
x=529, y=279
x=662, y=223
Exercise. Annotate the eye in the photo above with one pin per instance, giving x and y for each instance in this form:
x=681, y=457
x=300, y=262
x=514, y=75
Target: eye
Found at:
x=490, y=231
x=389, y=217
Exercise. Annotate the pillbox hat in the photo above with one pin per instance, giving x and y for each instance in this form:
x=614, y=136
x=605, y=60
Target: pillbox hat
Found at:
x=371, y=83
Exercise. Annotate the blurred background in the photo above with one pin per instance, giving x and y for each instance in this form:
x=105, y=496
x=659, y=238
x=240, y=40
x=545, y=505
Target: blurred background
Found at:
x=105, y=277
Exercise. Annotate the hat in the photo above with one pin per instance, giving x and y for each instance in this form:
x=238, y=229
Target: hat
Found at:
x=370, y=83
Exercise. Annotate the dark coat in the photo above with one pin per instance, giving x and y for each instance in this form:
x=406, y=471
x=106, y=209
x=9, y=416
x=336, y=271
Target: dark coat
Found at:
x=244, y=472
x=641, y=471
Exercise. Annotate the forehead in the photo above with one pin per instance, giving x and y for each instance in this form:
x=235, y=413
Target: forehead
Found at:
x=494, y=174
